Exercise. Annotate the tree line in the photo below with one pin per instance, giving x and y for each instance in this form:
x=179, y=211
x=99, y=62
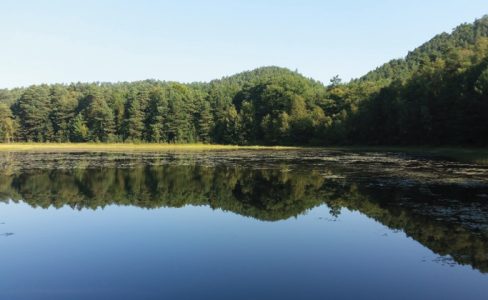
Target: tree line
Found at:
x=437, y=94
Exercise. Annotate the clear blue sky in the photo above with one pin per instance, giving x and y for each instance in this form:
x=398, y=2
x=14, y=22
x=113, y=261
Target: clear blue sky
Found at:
x=188, y=40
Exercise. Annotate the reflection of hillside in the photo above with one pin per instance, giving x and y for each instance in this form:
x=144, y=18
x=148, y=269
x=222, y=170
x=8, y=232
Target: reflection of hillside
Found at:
x=431, y=224
x=265, y=194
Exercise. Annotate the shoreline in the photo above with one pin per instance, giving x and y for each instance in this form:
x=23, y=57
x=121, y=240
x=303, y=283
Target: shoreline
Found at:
x=464, y=154
x=118, y=147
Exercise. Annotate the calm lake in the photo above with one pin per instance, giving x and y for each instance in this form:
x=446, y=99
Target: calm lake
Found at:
x=260, y=224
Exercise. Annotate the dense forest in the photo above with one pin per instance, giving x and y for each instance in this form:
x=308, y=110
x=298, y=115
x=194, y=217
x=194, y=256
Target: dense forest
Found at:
x=436, y=95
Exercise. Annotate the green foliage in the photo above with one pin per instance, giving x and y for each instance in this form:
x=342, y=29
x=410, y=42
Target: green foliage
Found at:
x=232, y=124
x=7, y=124
x=33, y=109
x=204, y=120
x=99, y=118
x=437, y=95
x=134, y=118
x=156, y=116
x=79, y=132
x=64, y=104
x=481, y=85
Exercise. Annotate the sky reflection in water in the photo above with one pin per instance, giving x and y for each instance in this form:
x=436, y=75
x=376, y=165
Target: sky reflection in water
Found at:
x=241, y=225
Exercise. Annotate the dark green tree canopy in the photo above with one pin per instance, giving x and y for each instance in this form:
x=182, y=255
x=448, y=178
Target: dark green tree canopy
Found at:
x=436, y=95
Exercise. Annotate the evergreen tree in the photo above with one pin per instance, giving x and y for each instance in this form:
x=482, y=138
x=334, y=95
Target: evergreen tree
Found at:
x=99, y=118
x=205, y=121
x=134, y=120
x=157, y=115
x=436, y=95
x=79, y=131
x=33, y=110
x=64, y=104
x=7, y=124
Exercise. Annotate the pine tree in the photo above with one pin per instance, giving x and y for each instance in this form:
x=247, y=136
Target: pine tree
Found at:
x=205, y=121
x=64, y=104
x=99, y=118
x=134, y=120
x=33, y=110
x=7, y=124
x=156, y=116
x=79, y=131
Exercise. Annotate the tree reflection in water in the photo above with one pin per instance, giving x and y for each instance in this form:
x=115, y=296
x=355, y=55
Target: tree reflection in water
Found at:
x=448, y=219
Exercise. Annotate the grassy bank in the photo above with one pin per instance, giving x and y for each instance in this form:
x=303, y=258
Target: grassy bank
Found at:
x=476, y=155
x=122, y=147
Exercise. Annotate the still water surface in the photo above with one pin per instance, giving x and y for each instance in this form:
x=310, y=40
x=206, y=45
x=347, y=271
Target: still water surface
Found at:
x=305, y=224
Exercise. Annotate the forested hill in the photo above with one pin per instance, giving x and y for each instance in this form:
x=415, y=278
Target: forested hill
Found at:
x=437, y=95
x=441, y=46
